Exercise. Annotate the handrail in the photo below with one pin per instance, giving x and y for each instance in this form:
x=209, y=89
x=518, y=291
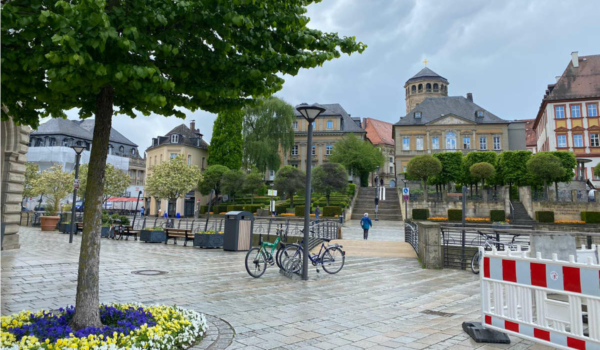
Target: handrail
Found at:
x=521, y=231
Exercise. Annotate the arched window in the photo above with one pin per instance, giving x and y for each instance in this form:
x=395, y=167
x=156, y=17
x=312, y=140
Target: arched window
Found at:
x=39, y=143
x=79, y=143
x=420, y=88
x=133, y=151
x=110, y=149
x=414, y=89
x=122, y=151
x=436, y=88
x=174, y=138
x=450, y=140
x=52, y=142
x=428, y=87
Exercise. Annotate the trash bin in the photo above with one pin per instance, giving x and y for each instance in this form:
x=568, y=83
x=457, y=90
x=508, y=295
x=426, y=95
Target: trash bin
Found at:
x=238, y=231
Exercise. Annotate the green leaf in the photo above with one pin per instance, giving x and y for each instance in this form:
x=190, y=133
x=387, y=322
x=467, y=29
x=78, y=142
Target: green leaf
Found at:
x=119, y=75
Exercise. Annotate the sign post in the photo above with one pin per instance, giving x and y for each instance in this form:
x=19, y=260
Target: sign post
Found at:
x=272, y=194
x=406, y=196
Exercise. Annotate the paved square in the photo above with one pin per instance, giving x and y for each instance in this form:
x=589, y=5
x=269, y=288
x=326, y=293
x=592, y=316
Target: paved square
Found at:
x=373, y=303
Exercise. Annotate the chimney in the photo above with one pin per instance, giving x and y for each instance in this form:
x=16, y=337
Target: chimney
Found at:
x=557, y=78
x=193, y=125
x=575, y=59
x=470, y=96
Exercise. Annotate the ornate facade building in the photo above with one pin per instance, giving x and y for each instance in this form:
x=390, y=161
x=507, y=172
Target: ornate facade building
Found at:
x=437, y=123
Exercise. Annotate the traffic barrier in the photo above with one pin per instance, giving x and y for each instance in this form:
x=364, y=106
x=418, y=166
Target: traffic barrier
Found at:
x=552, y=302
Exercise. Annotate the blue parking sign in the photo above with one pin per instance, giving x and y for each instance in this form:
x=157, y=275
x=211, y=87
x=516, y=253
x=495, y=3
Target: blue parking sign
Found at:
x=405, y=191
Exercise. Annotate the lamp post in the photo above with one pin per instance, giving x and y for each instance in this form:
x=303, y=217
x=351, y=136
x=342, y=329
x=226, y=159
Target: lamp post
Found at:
x=78, y=150
x=310, y=113
x=377, y=195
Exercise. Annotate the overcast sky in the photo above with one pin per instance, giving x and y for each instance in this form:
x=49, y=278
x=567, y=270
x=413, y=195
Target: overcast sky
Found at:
x=504, y=52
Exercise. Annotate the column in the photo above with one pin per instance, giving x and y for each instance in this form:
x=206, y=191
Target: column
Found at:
x=427, y=143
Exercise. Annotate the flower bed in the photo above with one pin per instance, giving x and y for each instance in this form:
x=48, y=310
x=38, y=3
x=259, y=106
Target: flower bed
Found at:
x=126, y=326
x=443, y=218
x=569, y=222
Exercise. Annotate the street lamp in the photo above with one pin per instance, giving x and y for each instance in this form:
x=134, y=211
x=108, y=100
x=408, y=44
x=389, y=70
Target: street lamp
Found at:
x=377, y=194
x=310, y=113
x=78, y=150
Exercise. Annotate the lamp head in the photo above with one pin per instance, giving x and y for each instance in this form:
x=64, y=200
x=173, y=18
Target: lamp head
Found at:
x=310, y=112
x=78, y=149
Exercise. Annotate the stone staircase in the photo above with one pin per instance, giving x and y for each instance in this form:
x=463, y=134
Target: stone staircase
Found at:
x=520, y=216
x=389, y=209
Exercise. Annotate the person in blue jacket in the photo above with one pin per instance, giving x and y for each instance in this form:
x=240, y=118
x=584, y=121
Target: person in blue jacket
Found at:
x=366, y=224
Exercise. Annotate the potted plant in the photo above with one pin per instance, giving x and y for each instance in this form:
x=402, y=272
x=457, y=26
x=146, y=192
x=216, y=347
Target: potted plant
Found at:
x=55, y=184
x=105, y=230
x=208, y=239
x=65, y=227
x=155, y=235
x=49, y=220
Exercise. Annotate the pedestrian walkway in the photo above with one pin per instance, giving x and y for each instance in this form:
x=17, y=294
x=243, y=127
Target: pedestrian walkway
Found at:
x=386, y=240
x=389, y=231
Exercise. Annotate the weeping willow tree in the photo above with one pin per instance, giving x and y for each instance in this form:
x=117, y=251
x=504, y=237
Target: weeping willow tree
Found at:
x=267, y=130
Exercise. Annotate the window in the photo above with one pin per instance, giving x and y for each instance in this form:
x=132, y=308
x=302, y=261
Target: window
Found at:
x=110, y=149
x=483, y=142
x=496, y=143
x=417, y=115
x=174, y=138
x=272, y=173
x=133, y=151
x=391, y=169
x=295, y=125
x=203, y=160
x=592, y=109
x=155, y=160
x=480, y=114
x=404, y=169
x=466, y=142
x=450, y=140
x=420, y=143
x=52, y=142
x=435, y=143
x=161, y=159
x=314, y=124
x=577, y=140
x=79, y=143
x=121, y=150
x=328, y=149
x=559, y=112
x=295, y=150
x=314, y=150
x=295, y=165
x=65, y=143
x=406, y=143
x=561, y=140
x=594, y=140
x=174, y=155
x=189, y=159
x=329, y=124
x=391, y=159
x=575, y=111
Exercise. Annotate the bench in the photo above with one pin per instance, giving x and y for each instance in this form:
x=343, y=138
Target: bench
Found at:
x=79, y=227
x=128, y=231
x=175, y=233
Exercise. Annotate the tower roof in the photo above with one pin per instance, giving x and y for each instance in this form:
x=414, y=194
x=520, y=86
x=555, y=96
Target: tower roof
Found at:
x=427, y=74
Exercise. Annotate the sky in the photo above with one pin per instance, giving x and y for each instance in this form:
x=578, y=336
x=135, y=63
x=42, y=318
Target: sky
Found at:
x=504, y=52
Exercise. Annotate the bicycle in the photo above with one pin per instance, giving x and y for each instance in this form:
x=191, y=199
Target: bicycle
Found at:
x=258, y=257
x=488, y=244
x=331, y=258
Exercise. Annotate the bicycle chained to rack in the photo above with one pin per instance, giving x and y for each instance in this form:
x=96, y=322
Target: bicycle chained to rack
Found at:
x=259, y=258
x=330, y=257
x=489, y=243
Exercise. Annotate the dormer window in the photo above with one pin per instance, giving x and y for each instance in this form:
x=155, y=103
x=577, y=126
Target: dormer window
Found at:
x=417, y=115
x=479, y=114
x=174, y=138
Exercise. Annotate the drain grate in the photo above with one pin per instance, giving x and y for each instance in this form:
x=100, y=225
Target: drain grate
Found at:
x=149, y=272
x=437, y=313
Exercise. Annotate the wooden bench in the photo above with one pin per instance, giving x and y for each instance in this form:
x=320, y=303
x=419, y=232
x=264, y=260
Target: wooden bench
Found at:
x=175, y=233
x=128, y=231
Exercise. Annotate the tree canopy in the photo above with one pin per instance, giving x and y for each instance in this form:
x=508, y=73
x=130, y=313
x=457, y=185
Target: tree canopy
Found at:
x=482, y=171
x=232, y=182
x=115, y=181
x=567, y=162
x=328, y=178
x=55, y=184
x=512, y=167
x=474, y=158
x=32, y=173
x=254, y=182
x=359, y=157
x=546, y=167
x=424, y=167
x=226, y=144
x=172, y=179
x=288, y=180
x=451, y=167
x=211, y=179
x=267, y=131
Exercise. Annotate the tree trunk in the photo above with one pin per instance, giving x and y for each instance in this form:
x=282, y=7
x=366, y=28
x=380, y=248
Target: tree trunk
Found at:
x=546, y=189
x=425, y=192
x=87, y=302
x=328, y=198
x=292, y=201
x=556, y=190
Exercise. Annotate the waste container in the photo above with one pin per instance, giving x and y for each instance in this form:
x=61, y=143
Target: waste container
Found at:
x=238, y=231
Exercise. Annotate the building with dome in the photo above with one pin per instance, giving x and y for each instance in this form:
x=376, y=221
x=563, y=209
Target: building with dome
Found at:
x=435, y=123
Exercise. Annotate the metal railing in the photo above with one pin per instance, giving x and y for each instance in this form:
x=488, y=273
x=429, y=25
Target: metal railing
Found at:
x=411, y=234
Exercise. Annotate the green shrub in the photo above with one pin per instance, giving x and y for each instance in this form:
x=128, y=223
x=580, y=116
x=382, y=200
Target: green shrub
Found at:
x=253, y=208
x=299, y=210
x=220, y=208
x=332, y=211
x=235, y=207
x=351, y=189
x=124, y=220
x=203, y=209
x=281, y=208
x=497, y=215
x=590, y=217
x=454, y=214
x=544, y=216
x=420, y=214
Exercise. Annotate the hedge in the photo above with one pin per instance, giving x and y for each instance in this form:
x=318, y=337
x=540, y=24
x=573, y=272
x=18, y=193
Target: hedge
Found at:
x=590, y=217
x=420, y=214
x=217, y=209
x=235, y=207
x=454, y=214
x=252, y=207
x=332, y=211
x=281, y=208
x=203, y=209
x=544, y=216
x=299, y=210
x=351, y=189
x=497, y=215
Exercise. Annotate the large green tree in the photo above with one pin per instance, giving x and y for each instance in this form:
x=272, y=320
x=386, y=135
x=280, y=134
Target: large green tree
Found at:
x=288, y=180
x=482, y=171
x=546, y=167
x=358, y=156
x=474, y=158
x=512, y=167
x=329, y=178
x=232, y=182
x=451, y=168
x=32, y=173
x=115, y=182
x=149, y=56
x=211, y=179
x=226, y=144
x=254, y=182
x=569, y=163
x=267, y=131
x=55, y=184
x=424, y=167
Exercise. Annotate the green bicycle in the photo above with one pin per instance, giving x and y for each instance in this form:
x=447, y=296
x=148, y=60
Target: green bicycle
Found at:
x=259, y=258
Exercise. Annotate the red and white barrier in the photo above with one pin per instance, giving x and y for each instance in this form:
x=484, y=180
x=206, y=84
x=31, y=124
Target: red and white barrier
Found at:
x=542, y=300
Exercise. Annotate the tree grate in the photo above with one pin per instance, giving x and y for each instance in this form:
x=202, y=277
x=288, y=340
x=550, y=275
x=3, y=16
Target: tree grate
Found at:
x=149, y=272
x=437, y=313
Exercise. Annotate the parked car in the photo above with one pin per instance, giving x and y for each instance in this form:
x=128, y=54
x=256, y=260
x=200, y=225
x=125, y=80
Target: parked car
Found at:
x=79, y=206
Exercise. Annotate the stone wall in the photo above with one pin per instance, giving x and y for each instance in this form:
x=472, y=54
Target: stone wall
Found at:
x=566, y=210
x=474, y=209
x=14, y=147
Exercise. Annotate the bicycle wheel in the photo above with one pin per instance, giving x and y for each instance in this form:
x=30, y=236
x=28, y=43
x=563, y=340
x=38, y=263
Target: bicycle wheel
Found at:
x=284, y=254
x=475, y=263
x=333, y=260
x=291, y=258
x=256, y=262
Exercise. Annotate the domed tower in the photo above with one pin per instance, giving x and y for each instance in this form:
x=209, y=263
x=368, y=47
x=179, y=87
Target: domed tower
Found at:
x=426, y=83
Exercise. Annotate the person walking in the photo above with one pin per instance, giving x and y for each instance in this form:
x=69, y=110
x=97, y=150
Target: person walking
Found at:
x=317, y=213
x=366, y=224
x=142, y=211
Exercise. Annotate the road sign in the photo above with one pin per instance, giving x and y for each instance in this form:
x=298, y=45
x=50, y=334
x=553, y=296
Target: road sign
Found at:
x=76, y=184
x=406, y=191
x=405, y=198
x=272, y=193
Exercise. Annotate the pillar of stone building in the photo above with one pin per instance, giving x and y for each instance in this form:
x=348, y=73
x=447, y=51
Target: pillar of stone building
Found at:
x=13, y=158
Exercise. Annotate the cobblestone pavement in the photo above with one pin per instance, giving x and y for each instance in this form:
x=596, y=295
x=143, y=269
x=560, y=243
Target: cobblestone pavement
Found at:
x=373, y=303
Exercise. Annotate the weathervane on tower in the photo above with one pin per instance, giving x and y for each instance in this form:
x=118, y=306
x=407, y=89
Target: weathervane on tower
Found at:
x=425, y=61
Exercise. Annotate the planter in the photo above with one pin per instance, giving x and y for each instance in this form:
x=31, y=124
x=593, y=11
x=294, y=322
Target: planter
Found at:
x=105, y=231
x=64, y=228
x=49, y=223
x=152, y=236
x=208, y=241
